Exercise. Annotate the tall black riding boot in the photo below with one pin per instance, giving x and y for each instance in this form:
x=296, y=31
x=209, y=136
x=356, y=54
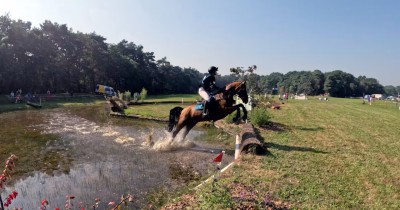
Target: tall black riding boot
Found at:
x=205, y=109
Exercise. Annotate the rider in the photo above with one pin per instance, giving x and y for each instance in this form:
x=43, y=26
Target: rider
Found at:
x=207, y=87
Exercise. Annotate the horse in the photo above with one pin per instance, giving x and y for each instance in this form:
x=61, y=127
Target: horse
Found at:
x=188, y=117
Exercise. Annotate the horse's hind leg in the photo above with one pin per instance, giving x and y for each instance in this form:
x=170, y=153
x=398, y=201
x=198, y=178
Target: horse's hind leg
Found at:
x=188, y=128
x=174, y=117
x=178, y=128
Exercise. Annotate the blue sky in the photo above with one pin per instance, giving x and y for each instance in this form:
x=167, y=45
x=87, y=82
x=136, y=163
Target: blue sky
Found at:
x=361, y=37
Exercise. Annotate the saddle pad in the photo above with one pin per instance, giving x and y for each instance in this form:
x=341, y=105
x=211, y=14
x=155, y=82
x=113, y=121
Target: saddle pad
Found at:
x=199, y=107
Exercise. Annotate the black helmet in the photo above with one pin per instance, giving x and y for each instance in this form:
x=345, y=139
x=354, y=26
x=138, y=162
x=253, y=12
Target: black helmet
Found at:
x=212, y=69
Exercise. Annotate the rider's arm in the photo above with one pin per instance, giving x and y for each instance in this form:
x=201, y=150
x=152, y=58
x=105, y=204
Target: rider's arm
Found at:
x=213, y=85
x=207, y=83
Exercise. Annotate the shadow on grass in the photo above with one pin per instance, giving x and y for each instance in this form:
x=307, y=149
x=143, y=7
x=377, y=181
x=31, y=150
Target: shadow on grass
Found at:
x=274, y=126
x=308, y=129
x=292, y=148
x=267, y=145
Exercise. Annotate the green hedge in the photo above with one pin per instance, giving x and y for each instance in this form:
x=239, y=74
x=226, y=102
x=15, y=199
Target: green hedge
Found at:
x=260, y=116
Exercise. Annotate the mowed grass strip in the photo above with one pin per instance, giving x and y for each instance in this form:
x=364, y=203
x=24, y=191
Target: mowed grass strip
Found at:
x=152, y=110
x=187, y=98
x=160, y=109
x=336, y=154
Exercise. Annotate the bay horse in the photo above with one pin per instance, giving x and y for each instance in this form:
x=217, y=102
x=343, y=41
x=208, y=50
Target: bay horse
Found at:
x=188, y=117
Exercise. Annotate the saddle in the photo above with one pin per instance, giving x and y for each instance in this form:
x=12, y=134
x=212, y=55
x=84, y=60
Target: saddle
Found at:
x=200, y=104
x=212, y=105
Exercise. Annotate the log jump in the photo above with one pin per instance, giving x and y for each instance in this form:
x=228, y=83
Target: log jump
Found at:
x=249, y=142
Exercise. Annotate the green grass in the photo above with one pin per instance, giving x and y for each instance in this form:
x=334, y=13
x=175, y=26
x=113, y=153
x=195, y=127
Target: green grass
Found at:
x=152, y=110
x=161, y=107
x=188, y=98
x=337, y=154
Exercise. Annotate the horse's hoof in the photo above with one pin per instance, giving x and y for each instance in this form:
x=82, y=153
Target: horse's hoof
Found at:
x=235, y=119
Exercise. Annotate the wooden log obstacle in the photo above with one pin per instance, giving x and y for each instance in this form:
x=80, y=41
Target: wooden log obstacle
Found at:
x=35, y=105
x=115, y=107
x=249, y=142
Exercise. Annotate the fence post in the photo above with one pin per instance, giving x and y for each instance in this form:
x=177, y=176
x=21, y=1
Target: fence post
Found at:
x=237, y=147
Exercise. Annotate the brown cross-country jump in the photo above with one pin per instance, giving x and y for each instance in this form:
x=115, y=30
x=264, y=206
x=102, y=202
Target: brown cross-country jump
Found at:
x=188, y=117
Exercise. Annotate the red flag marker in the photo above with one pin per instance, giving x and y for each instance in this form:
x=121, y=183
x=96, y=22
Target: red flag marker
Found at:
x=218, y=159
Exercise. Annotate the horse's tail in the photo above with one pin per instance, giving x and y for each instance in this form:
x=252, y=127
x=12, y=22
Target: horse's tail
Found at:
x=174, y=117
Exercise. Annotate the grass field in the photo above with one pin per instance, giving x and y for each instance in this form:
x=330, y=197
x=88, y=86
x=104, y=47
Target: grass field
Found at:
x=161, y=110
x=175, y=97
x=152, y=110
x=337, y=154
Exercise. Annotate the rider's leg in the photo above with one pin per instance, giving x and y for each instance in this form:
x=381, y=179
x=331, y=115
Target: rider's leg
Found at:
x=210, y=105
x=204, y=94
x=206, y=97
x=205, y=108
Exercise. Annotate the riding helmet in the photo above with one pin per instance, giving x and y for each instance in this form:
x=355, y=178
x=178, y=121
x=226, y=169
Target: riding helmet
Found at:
x=212, y=69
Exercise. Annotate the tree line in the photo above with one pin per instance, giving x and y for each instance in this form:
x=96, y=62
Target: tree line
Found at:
x=336, y=83
x=54, y=57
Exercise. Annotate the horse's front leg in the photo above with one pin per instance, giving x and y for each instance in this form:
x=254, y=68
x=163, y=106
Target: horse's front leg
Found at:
x=244, y=112
x=236, y=119
x=244, y=118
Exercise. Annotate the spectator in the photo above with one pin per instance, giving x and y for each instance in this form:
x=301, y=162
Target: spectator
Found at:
x=18, y=98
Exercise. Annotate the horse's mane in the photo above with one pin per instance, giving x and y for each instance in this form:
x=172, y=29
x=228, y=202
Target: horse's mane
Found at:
x=229, y=90
x=232, y=84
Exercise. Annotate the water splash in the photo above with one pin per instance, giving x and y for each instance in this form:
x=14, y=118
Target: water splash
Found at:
x=171, y=144
x=148, y=142
x=124, y=139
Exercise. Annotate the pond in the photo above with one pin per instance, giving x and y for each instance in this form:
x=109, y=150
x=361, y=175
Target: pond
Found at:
x=81, y=151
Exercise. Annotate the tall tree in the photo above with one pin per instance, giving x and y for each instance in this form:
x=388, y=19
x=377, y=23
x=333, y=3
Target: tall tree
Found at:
x=370, y=85
x=390, y=90
x=338, y=83
x=317, y=82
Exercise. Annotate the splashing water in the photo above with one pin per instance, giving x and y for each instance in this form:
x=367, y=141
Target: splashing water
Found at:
x=170, y=144
x=105, y=159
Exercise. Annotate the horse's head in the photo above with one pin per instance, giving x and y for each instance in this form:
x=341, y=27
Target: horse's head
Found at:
x=239, y=88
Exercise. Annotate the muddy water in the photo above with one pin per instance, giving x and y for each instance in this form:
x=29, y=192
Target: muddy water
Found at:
x=85, y=153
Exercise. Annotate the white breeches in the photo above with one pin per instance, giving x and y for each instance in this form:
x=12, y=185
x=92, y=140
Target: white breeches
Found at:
x=204, y=94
